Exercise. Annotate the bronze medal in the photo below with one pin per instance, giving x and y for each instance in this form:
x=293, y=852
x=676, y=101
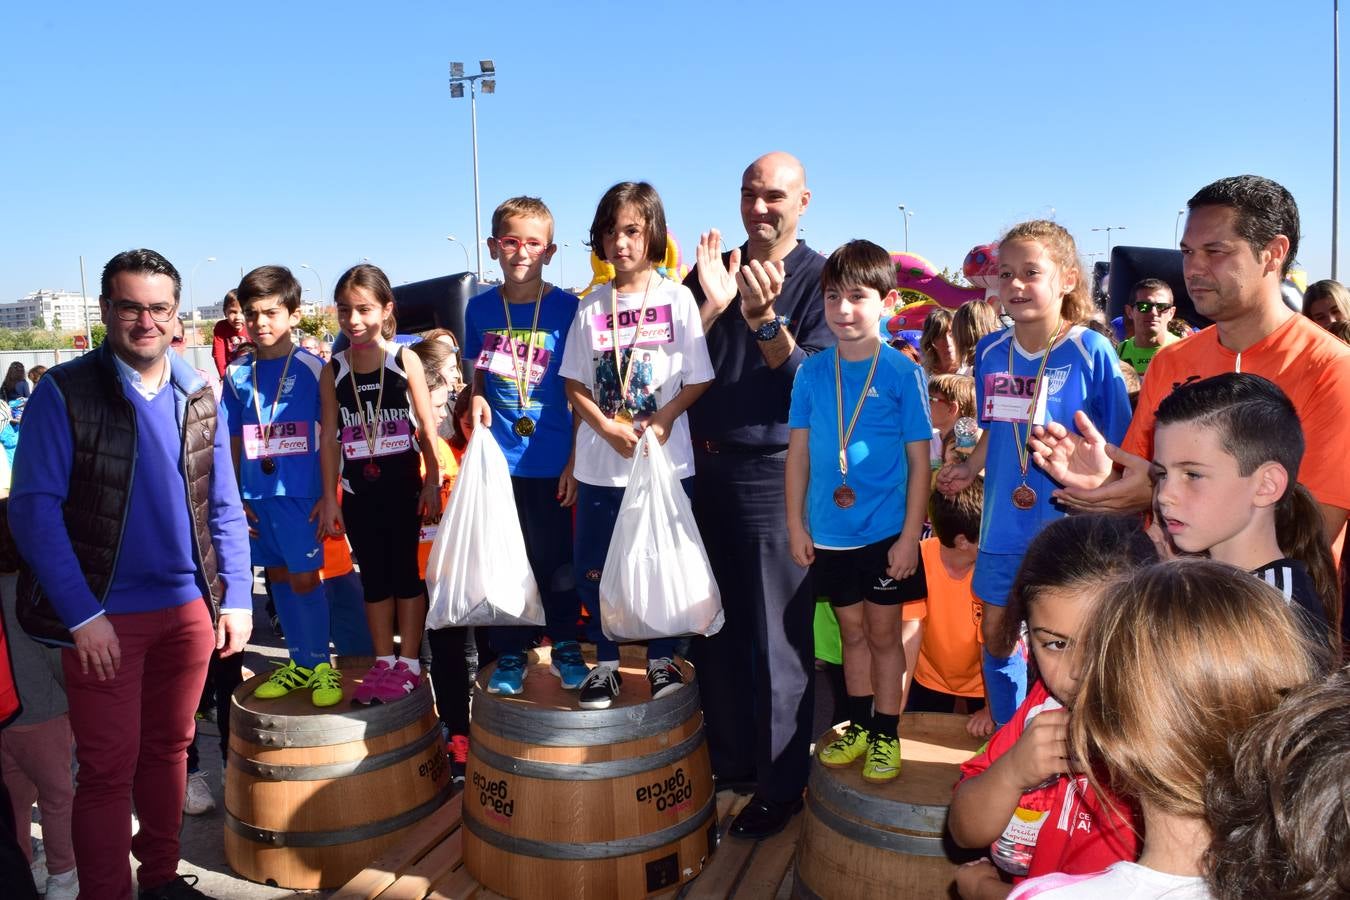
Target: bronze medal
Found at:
x=371, y=472
x=524, y=427
x=269, y=465
x=844, y=496
x=1024, y=497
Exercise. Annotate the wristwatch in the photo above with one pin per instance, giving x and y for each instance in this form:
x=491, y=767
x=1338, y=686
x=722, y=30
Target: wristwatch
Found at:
x=769, y=330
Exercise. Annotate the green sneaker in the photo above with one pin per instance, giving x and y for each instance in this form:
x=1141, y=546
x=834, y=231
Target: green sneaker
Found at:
x=327, y=684
x=844, y=750
x=883, y=760
x=285, y=679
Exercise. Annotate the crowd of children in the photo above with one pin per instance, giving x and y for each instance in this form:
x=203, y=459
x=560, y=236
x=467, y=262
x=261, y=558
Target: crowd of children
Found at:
x=1161, y=693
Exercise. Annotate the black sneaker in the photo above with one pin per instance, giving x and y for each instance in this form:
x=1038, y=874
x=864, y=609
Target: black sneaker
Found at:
x=665, y=677
x=600, y=688
x=178, y=889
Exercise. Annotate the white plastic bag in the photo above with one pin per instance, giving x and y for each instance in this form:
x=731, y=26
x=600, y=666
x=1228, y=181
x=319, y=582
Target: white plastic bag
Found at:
x=478, y=573
x=657, y=580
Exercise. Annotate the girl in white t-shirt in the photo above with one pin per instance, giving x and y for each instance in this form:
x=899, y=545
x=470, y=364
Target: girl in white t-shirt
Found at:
x=635, y=359
x=1182, y=657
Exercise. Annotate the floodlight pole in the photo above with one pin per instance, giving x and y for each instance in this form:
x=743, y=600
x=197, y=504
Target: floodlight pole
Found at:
x=457, y=78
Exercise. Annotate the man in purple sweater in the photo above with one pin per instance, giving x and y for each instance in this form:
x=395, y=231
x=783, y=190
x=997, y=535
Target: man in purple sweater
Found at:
x=127, y=515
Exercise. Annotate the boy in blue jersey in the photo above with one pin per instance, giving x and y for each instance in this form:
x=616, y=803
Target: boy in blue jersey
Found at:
x=514, y=335
x=857, y=495
x=271, y=403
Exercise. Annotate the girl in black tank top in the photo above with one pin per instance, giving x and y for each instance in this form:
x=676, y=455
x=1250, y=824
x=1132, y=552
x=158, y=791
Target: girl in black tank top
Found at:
x=374, y=397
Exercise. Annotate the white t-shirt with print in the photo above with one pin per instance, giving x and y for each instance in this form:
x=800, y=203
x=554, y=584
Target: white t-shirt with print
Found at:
x=662, y=348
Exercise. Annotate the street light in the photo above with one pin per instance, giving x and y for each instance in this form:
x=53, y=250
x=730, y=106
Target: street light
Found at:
x=905, y=214
x=1108, y=229
x=487, y=72
x=320, y=277
x=454, y=240
x=192, y=296
x=1176, y=227
x=562, y=267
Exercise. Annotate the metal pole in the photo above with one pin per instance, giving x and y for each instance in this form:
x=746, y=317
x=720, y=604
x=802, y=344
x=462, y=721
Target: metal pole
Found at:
x=1176, y=227
x=477, y=212
x=1335, y=133
x=84, y=298
x=906, y=232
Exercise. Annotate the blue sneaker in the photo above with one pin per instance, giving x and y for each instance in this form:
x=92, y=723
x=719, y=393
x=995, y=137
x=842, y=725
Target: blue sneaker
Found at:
x=568, y=665
x=509, y=675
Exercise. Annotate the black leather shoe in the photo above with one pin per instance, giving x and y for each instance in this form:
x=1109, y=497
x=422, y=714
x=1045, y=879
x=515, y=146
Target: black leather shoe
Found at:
x=762, y=818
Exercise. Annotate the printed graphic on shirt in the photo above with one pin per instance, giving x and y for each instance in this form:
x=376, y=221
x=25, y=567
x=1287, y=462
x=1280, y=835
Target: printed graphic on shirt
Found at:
x=504, y=354
x=640, y=398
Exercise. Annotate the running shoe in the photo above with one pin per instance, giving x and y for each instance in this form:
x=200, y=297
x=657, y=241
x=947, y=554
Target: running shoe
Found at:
x=568, y=665
x=600, y=688
x=285, y=679
x=458, y=749
x=664, y=676
x=365, y=691
x=844, y=750
x=197, y=800
x=396, y=684
x=883, y=760
x=327, y=685
x=509, y=676
x=65, y=886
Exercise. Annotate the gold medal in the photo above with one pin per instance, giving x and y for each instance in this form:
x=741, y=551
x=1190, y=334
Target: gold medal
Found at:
x=521, y=374
x=844, y=496
x=623, y=415
x=1024, y=497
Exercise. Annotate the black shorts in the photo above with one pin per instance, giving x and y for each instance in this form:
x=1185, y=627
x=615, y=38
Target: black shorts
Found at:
x=846, y=577
x=384, y=528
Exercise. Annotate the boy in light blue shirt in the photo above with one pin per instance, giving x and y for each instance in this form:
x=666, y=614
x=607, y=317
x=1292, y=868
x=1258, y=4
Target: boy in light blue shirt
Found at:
x=857, y=495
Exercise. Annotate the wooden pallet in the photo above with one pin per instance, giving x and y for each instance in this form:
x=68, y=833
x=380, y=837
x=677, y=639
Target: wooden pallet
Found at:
x=429, y=865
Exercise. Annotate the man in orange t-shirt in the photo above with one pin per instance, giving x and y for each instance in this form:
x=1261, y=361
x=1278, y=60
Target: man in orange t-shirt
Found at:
x=1240, y=241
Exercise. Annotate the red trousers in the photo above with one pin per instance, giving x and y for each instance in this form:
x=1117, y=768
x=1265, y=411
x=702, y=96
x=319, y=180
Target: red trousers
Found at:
x=131, y=737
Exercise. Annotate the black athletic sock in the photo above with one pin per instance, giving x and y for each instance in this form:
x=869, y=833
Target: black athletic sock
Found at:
x=860, y=710
x=884, y=725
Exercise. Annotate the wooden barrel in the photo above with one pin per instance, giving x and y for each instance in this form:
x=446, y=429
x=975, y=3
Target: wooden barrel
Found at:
x=562, y=801
x=312, y=795
x=862, y=840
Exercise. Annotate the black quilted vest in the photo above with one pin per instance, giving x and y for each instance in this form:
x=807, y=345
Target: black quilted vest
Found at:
x=103, y=435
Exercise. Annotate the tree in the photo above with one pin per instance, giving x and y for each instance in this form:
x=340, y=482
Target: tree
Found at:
x=56, y=322
x=318, y=325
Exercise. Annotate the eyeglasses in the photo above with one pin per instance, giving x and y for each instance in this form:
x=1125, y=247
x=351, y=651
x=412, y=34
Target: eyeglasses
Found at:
x=131, y=312
x=1145, y=306
x=511, y=245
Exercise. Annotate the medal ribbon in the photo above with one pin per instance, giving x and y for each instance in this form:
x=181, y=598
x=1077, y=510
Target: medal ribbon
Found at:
x=846, y=433
x=614, y=331
x=1020, y=442
x=379, y=401
x=521, y=374
x=266, y=428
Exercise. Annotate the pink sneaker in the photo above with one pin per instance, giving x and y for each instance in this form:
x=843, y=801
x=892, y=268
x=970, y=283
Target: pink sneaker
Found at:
x=366, y=691
x=395, y=684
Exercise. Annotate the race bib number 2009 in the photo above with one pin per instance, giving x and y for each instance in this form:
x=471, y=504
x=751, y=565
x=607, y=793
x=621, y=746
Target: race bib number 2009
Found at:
x=637, y=328
x=285, y=439
x=1009, y=398
x=395, y=436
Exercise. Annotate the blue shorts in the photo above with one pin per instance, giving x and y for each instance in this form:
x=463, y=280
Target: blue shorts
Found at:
x=994, y=575
x=285, y=534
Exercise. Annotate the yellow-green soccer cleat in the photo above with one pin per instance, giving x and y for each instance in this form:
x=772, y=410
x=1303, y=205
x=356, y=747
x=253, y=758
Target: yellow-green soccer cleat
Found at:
x=883, y=760
x=844, y=750
x=327, y=685
x=285, y=679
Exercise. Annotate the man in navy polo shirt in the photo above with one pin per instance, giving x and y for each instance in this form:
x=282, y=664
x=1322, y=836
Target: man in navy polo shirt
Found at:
x=763, y=312
x=126, y=511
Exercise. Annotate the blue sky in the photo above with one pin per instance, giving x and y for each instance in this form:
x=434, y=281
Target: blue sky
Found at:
x=322, y=133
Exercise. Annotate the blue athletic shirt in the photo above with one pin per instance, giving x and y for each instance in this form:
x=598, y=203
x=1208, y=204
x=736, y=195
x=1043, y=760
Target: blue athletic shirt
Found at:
x=490, y=348
x=294, y=441
x=894, y=414
x=1083, y=372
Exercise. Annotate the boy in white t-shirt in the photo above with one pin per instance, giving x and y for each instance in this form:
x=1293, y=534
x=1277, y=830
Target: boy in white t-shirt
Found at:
x=635, y=359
